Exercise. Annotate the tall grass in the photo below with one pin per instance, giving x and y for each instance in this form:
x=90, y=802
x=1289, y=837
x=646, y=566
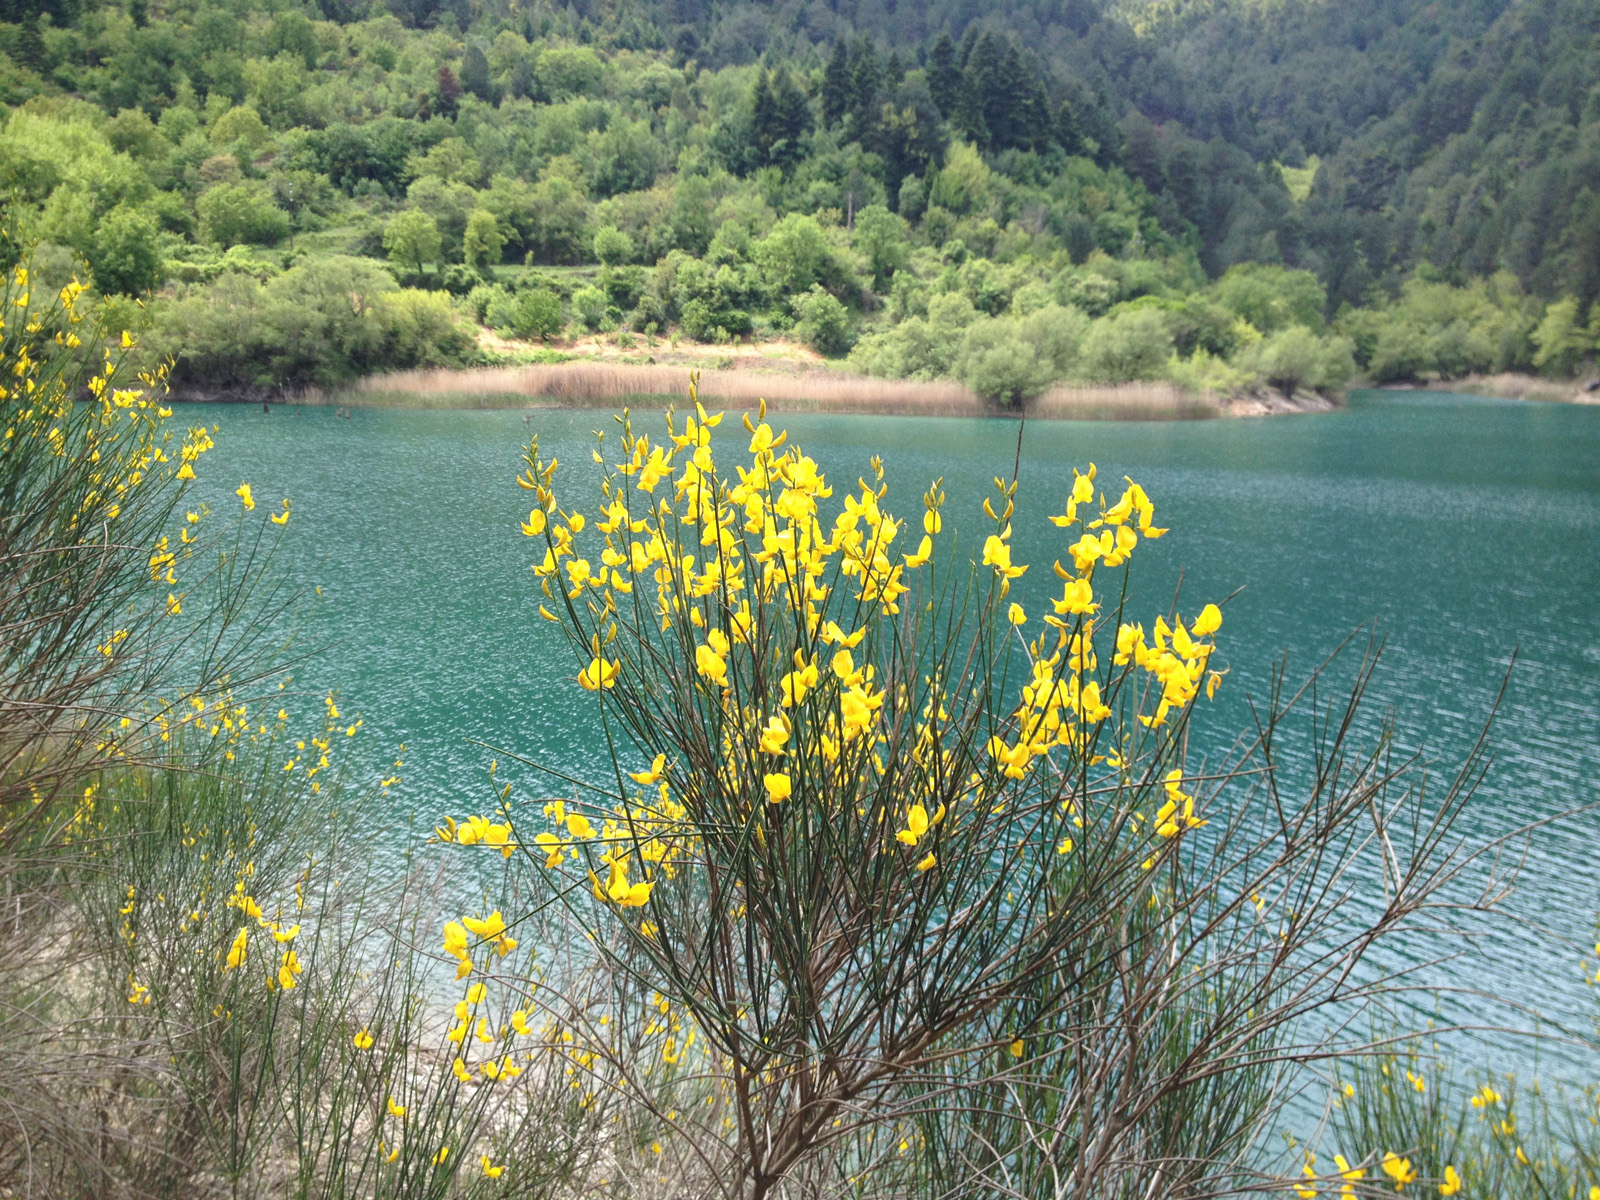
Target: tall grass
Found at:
x=598, y=384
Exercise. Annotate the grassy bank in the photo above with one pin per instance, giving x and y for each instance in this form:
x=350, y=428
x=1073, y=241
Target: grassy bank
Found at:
x=608, y=385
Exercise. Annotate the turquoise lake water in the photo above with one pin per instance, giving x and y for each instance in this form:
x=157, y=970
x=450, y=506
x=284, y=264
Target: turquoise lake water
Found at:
x=1461, y=529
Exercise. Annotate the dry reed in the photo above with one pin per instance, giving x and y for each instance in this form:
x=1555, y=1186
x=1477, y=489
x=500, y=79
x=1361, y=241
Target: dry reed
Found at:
x=594, y=384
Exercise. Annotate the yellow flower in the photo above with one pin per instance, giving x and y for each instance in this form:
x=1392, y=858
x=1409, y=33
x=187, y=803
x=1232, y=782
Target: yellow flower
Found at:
x=1015, y=1048
x=1452, y=1184
x=1016, y=615
x=1398, y=1169
x=1485, y=1096
x=246, y=496
x=283, y=517
x=1521, y=1157
x=1417, y=1081
x=461, y=1072
x=778, y=787
x=653, y=775
x=493, y=1172
x=444, y=1153
x=1350, y=1175
x=927, y=862
x=477, y=992
x=237, y=951
x=288, y=969
x=519, y=1022
x=916, y=826
x=1308, y=1191
x=598, y=674
x=363, y=1040
x=398, y=1111
x=1208, y=622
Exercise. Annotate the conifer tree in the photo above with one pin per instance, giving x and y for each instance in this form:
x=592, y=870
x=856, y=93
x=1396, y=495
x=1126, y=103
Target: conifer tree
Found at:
x=475, y=72
x=836, y=90
x=944, y=76
x=866, y=78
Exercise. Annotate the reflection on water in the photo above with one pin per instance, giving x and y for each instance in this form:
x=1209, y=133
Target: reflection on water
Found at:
x=1463, y=530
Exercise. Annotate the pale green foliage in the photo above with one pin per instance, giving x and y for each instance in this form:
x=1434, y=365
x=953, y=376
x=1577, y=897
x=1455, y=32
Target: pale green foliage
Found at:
x=880, y=237
x=1272, y=297
x=1435, y=329
x=538, y=314
x=1132, y=344
x=795, y=255
x=412, y=239
x=918, y=347
x=482, y=242
x=613, y=247
x=1203, y=371
x=68, y=167
x=589, y=306
x=1295, y=358
x=240, y=213
x=962, y=185
x=824, y=323
x=1008, y=360
x=324, y=321
x=127, y=254
x=240, y=124
x=1563, y=339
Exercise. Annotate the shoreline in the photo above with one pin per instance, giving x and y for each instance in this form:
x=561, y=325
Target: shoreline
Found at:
x=1508, y=385
x=587, y=385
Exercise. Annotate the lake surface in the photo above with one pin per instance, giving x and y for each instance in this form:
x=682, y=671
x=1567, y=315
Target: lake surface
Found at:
x=1462, y=528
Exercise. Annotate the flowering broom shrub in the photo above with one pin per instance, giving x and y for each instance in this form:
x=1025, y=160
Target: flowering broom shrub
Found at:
x=886, y=843
x=117, y=607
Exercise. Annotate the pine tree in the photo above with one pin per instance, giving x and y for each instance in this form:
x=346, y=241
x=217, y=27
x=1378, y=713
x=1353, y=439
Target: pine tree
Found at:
x=475, y=72
x=766, y=122
x=793, y=119
x=836, y=86
x=866, y=79
x=944, y=76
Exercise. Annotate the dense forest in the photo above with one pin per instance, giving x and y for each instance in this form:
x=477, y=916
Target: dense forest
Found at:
x=1230, y=195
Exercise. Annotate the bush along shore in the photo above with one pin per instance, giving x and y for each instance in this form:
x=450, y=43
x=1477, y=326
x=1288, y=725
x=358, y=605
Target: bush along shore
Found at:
x=884, y=885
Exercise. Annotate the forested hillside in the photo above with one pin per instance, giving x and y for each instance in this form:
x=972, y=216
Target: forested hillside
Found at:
x=1230, y=193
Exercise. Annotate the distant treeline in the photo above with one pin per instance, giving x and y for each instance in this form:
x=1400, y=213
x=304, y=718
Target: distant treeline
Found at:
x=308, y=195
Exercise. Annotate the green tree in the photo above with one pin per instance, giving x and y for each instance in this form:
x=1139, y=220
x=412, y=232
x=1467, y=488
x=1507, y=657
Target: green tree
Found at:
x=880, y=237
x=127, y=254
x=589, y=306
x=1272, y=297
x=836, y=85
x=240, y=214
x=475, y=72
x=962, y=185
x=794, y=255
x=411, y=239
x=824, y=323
x=1128, y=345
x=538, y=314
x=613, y=247
x=240, y=124
x=1562, y=338
x=482, y=241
